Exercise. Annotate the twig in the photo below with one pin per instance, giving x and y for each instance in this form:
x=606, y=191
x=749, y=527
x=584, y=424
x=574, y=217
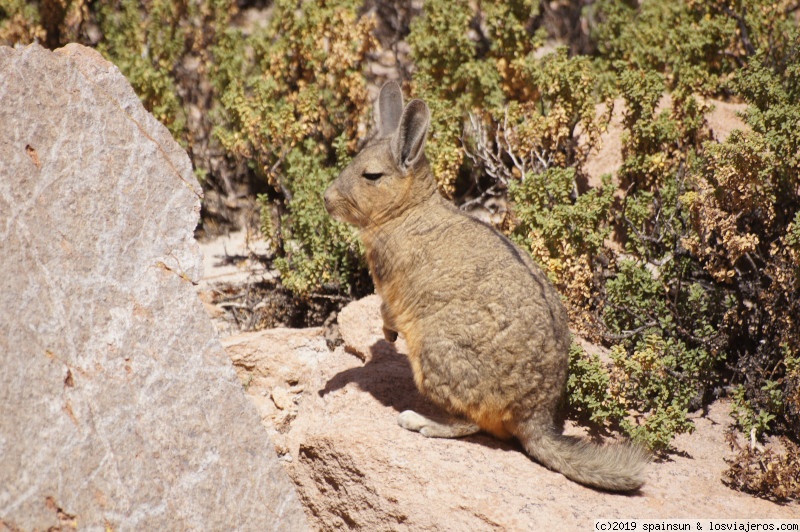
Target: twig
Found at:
x=748, y=46
x=624, y=335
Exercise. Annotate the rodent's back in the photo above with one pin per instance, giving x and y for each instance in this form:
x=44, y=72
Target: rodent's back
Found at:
x=483, y=323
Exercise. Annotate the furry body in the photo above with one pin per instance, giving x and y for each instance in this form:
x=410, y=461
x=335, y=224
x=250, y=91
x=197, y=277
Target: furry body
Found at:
x=476, y=313
x=487, y=333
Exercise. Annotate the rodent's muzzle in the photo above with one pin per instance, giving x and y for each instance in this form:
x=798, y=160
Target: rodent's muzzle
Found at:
x=327, y=198
x=334, y=203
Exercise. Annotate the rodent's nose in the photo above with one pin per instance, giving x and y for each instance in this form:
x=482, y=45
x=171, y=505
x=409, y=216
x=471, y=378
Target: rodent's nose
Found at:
x=327, y=198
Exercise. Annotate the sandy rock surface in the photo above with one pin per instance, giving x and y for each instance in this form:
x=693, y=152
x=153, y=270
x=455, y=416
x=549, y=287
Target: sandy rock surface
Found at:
x=119, y=409
x=333, y=417
x=606, y=157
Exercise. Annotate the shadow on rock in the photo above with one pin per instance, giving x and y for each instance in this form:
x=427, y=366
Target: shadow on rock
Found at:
x=387, y=376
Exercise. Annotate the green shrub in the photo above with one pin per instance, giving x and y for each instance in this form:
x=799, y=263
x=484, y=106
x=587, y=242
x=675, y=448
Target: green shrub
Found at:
x=565, y=236
x=663, y=361
x=692, y=44
x=456, y=73
x=744, y=204
x=589, y=390
x=710, y=224
x=147, y=53
x=657, y=381
x=752, y=422
x=294, y=107
x=318, y=255
x=20, y=22
x=148, y=41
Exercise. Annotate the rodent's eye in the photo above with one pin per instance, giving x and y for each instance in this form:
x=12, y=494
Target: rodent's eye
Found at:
x=372, y=176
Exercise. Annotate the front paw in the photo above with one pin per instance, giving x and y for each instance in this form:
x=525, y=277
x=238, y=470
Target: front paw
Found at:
x=390, y=335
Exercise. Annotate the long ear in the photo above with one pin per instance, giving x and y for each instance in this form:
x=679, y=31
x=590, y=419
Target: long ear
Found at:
x=390, y=108
x=408, y=142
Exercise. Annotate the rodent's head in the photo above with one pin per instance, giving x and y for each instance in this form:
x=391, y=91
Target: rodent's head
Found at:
x=391, y=174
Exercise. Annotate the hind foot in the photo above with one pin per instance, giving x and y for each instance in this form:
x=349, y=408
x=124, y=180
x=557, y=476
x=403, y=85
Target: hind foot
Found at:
x=389, y=335
x=450, y=428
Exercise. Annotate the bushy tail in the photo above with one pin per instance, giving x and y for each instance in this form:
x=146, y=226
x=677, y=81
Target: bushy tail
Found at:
x=616, y=467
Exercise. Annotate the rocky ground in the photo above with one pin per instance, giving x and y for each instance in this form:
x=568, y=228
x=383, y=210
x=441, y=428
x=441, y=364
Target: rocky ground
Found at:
x=332, y=415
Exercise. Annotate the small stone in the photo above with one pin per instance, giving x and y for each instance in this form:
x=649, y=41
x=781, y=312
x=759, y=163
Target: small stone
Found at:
x=282, y=398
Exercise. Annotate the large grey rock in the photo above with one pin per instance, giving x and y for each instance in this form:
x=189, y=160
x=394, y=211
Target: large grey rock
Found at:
x=118, y=405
